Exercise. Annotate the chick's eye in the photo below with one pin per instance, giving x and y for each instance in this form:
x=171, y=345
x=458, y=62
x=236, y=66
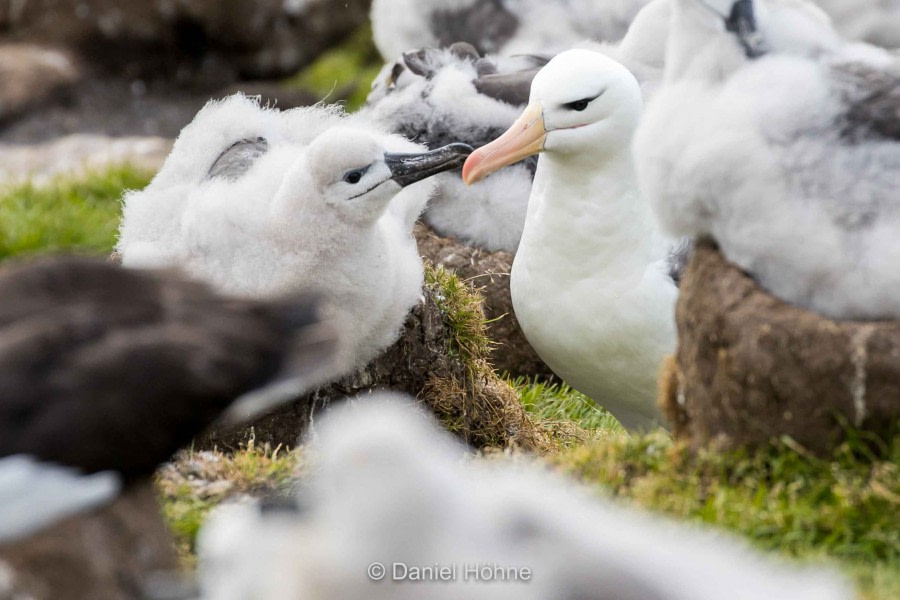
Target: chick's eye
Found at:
x=578, y=105
x=353, y=177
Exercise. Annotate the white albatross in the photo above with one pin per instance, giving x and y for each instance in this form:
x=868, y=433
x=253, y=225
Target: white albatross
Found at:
x=260, y=202
x=393, y=488
x=590, y=283
x=782, y=142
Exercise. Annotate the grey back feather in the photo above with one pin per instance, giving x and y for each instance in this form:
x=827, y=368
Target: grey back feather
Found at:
x=873, y=100
x=237, y=159
x=679, y=256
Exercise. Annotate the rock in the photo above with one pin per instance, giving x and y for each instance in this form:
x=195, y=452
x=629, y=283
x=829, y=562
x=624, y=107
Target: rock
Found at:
x=74, y=154
x=488, y=272
x=111, y=553
x=440, y=359
x=251, y=38
x=751, y=368
x=32, y=77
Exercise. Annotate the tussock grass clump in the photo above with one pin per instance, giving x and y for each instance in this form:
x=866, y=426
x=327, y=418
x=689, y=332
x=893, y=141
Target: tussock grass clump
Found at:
x=441, y=358
x=67, y=214
x=846, y=507
x=460, y=306
x=466, y=394
x=194, y=483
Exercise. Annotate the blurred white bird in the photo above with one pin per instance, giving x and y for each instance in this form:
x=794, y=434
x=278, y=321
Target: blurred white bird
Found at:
x=261, y=202
x=590, y=284
x=504, y=27
x=873, y=21
x=782, y=142
x=392, y=494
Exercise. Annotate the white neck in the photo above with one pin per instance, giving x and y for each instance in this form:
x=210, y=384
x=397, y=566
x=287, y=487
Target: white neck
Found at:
x=590, y=211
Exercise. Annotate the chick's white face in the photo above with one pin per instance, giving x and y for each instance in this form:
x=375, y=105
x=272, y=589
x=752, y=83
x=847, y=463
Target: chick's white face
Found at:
x=350, y=173
x=588, y=101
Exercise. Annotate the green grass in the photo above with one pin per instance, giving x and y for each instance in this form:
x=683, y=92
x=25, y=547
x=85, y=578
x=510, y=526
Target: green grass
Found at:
x=343, y=73
x=80, y=214
x=558, y=402
x=191, y=486
x=461, y=308
x=846, y=509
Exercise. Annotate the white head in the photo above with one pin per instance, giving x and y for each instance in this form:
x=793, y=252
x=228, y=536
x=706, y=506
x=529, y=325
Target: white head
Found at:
x=583, y=104
x=350, y=172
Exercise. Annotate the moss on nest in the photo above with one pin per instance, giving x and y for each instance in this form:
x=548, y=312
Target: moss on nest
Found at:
x=442, y=359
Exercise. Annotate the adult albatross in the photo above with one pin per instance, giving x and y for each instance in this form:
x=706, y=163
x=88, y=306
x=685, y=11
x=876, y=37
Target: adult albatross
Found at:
x=590, y=283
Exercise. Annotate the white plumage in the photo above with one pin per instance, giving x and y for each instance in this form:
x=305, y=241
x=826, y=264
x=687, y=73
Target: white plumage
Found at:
x=498, y=26
x=435, y=96
x=35, y=495
x=872, y=21
x=391, y=488
x=590, y=282
x=259, y=202
x=790, y=160
x=444, y=102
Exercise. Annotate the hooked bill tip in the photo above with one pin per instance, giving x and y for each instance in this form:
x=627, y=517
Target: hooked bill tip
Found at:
x=470, y=172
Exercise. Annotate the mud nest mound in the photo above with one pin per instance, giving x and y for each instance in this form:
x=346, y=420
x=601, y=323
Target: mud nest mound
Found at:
x=488, y=272
x=750, y=368
x=114, y=553
x=441, y=359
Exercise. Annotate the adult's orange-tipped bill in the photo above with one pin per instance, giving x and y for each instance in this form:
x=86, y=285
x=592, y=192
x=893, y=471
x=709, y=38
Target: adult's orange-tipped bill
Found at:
x=525, y=138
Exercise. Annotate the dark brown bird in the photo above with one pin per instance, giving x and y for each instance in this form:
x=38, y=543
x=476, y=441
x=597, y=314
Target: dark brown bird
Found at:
x=105, y=369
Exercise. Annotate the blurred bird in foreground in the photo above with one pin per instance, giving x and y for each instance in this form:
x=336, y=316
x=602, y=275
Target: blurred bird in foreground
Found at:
x=394, y=503
x=106, y=372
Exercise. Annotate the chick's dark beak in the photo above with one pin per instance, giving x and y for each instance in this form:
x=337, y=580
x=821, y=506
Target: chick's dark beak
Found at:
x=742, y=22
x=407, y=169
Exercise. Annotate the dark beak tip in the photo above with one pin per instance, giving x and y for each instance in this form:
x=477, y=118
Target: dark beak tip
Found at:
x=462, y=149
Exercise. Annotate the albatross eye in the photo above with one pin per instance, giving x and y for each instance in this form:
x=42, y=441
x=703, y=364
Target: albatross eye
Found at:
x=580, y=105
x=355, y=176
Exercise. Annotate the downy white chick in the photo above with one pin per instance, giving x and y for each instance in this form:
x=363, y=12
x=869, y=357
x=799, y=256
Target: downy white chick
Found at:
x=782, y=142
x=277, y=202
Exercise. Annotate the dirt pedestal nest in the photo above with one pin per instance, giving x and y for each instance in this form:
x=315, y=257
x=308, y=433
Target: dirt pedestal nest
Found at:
x=441, y=359
x=750, y=368
x=113, y=553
